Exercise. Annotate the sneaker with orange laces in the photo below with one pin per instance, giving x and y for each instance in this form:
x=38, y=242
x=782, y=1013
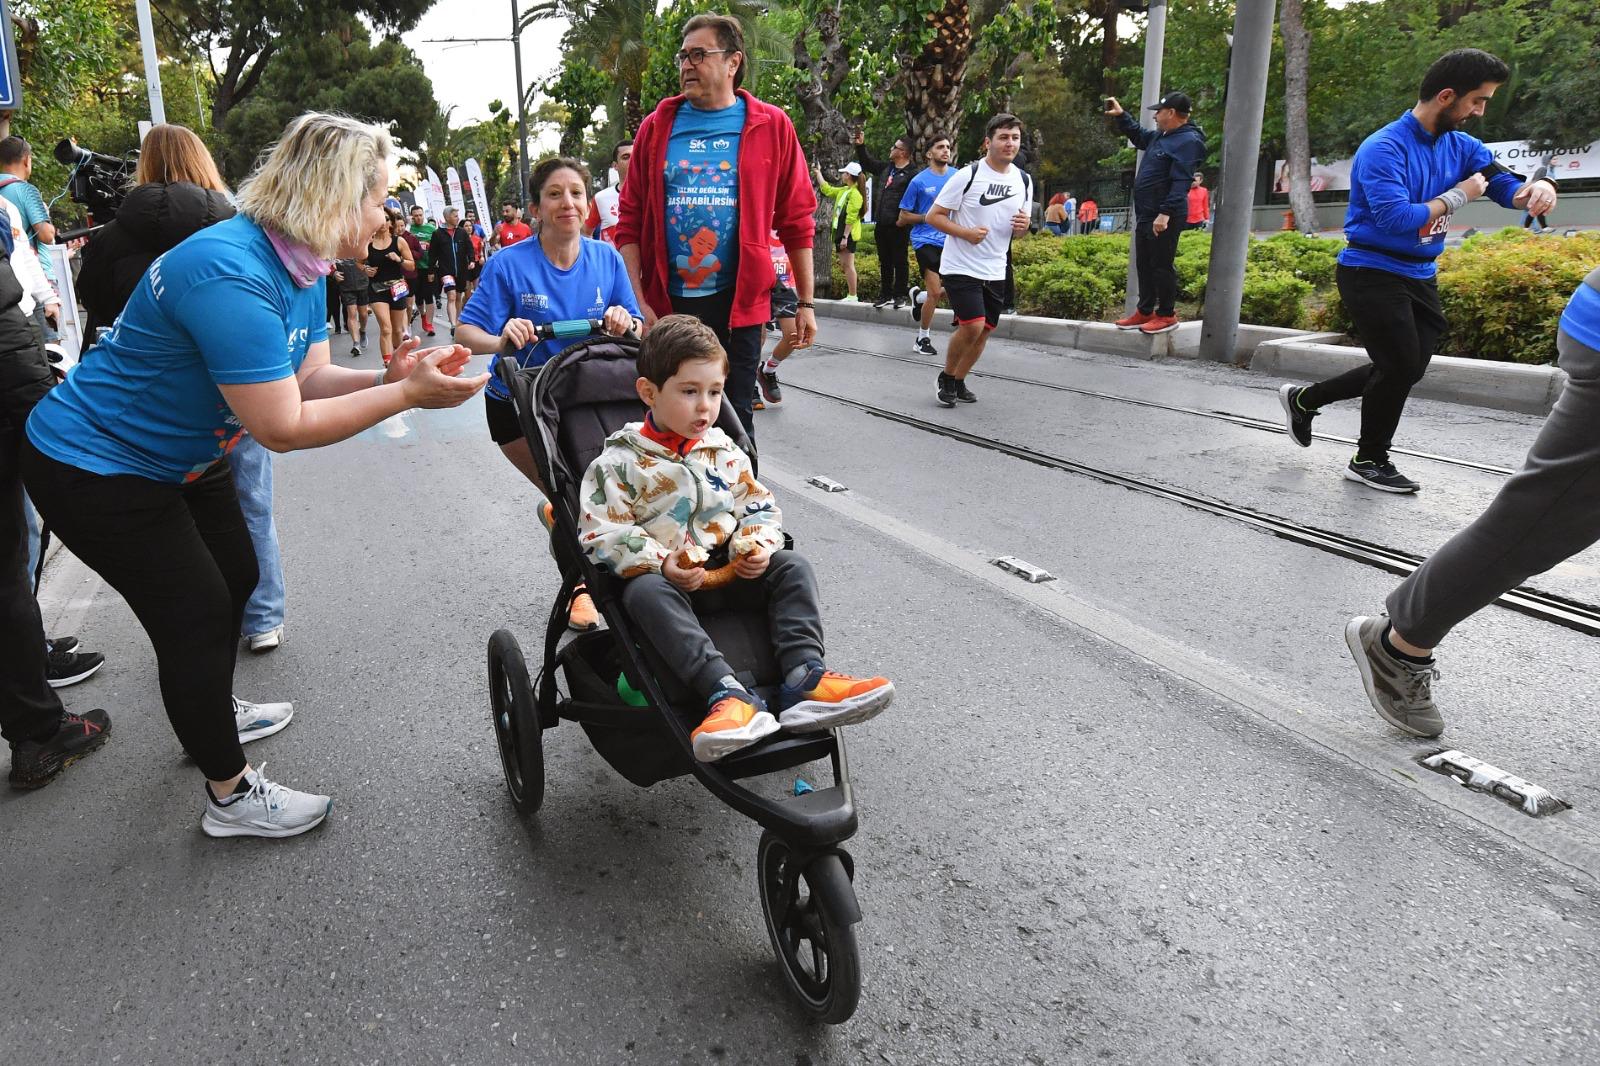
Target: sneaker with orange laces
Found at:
x=582, y=616
x=736, y=720
x=826, y=700
x=1134, y=321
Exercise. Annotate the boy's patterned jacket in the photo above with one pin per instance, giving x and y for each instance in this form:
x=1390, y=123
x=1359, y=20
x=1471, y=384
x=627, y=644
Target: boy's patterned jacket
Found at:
x=641, y=501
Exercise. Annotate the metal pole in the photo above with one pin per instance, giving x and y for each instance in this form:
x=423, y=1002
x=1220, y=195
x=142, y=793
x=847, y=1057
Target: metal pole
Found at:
x=522, y=111
x=1241, y=151
x=1155, y=42
x=152, y=65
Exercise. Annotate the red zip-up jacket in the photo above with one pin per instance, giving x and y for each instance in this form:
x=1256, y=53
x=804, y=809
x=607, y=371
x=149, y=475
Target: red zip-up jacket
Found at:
x=775, y=193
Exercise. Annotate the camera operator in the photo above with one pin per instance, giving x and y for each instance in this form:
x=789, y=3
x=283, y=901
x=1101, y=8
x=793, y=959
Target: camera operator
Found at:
x=16, y=167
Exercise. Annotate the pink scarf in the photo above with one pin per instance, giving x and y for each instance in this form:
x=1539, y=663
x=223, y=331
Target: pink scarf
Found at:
x=303, y=265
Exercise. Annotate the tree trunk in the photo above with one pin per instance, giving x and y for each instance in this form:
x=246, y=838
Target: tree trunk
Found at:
x=827, y=134
x=1297, y=133
x=934, y=78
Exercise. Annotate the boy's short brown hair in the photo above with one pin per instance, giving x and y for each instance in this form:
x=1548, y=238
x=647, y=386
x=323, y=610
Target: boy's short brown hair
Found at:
x=673, y=341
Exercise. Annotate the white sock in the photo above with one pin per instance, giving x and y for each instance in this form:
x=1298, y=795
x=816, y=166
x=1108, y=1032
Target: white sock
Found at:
x=922, y=334
x=771, y=366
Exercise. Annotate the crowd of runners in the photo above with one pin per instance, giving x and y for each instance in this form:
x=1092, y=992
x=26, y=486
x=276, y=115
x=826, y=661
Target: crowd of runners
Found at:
x=316, y=249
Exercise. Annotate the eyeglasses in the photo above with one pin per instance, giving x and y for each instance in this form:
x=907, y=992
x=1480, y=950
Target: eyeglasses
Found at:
x=696, y=56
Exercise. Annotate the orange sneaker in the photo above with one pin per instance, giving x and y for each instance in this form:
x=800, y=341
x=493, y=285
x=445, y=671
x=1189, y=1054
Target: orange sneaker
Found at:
x=826, y=700
x=734, y=722
x=547, y=516
x=1160, y=324
x=582, y=615
x=1133, y=321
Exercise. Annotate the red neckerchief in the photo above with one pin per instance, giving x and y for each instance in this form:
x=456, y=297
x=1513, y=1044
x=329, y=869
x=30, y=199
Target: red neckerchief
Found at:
x=676, y=443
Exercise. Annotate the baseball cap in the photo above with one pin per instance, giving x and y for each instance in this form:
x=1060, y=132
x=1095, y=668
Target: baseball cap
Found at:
x=1179, y=102
x=852, y=168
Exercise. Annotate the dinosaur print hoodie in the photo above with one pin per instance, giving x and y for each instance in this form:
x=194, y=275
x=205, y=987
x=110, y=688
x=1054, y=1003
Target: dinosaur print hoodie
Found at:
x=641, y=501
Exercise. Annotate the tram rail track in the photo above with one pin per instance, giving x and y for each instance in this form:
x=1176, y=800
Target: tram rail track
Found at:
x=1266, y=425
x=1544, y=606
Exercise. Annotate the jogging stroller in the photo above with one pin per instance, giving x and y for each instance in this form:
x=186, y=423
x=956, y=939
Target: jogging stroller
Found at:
x=598, y=679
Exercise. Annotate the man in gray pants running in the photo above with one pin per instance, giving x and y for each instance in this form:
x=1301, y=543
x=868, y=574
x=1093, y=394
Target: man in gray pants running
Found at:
x=1548, y=512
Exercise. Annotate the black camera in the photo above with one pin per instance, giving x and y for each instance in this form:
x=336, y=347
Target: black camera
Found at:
x=99, y=182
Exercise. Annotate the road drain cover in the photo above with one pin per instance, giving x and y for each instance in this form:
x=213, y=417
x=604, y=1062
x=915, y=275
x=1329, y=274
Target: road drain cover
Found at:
x=1480, y=776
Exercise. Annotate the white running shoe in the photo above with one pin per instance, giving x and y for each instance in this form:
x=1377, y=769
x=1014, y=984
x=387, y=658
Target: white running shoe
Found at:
x=268, y=809
x=265, y=642
x=257, y=720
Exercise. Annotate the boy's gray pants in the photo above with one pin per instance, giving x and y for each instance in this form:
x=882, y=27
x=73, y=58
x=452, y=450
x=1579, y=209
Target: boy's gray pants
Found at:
x=1546, y=513
x=665, y=617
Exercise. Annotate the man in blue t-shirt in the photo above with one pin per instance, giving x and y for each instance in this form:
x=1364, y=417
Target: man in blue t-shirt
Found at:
x=1406, y=182
x=927, y=243
x=16, y=167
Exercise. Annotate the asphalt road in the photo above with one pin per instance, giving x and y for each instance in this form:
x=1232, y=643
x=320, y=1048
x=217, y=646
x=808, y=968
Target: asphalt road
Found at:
x=1077, y=844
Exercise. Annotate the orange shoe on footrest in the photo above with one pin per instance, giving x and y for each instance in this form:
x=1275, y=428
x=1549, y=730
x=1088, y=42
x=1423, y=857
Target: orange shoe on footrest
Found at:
x=826, y=700
x=736, y=720
x=582, y=616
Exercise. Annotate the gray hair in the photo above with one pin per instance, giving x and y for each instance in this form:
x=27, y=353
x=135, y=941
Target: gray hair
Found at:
x=312, y=184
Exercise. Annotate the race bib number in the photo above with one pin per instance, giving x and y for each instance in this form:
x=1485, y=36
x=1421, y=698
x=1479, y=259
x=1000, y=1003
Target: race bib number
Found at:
x=1434, y=230
x=398, y=290
x=449, y=282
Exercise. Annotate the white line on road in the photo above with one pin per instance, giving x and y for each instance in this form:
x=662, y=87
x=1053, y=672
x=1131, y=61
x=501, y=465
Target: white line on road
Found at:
x=1568, y=840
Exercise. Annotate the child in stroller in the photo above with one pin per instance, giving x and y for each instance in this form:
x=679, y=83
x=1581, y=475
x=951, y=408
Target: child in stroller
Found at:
x=672, y=493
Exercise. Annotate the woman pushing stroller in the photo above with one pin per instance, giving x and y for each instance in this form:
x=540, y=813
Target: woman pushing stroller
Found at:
x=666, y=494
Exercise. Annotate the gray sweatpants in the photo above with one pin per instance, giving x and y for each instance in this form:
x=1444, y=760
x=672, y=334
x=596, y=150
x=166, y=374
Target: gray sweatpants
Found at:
x=665, y=616
x=1546, y=513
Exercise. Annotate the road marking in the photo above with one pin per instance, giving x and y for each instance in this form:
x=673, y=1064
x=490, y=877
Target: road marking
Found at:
x=1529, y=798
x=1023, y=569
x=1570, y=840
x=826, y=484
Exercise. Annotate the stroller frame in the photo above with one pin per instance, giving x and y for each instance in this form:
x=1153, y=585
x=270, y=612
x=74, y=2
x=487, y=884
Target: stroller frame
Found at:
x=805, y=878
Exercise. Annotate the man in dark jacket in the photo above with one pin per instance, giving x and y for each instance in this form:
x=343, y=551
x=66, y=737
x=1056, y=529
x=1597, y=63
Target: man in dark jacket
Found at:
x=451, y=253
x=1172, y=151
x=44, y=739
x=890, y=181
x=155, y=218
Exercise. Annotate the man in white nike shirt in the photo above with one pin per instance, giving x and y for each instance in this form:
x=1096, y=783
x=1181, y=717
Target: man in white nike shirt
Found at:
x=602, y=221
x=982, y=206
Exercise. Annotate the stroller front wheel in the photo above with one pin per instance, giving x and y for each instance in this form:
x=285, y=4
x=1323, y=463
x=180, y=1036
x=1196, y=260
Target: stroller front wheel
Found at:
x=516, y=722
x=810, y=913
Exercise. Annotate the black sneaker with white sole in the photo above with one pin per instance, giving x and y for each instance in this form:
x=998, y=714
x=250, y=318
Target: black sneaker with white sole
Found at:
x=917, y=296
x=947, y=390
x=881, y=303
x=63, y=668
x=35, y=763
x=964, y=394
x=1297, y=419
x=924, y=346
x=768, y=380
x=1381, y=476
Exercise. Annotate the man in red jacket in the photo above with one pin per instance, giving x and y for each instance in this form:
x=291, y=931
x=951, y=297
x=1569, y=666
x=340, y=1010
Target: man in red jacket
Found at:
x=715, y=171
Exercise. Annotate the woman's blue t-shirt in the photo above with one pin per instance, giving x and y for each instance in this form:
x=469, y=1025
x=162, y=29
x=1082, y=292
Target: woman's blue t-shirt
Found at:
x=220, y=308
x=521, y=282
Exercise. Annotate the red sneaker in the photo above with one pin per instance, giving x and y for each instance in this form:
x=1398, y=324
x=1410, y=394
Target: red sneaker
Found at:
x=1133, y=321
x=1160, y=324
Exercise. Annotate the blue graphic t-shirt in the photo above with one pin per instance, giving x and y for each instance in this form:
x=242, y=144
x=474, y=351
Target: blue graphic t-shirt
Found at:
x=521, y=282
x=918, y=199
x=702, y=176
x=219, y=309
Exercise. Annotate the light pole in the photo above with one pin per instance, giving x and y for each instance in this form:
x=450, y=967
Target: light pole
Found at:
x=152, y=65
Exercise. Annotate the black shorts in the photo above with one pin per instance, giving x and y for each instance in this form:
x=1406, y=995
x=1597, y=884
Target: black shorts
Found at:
x=358, y=298
x=973, y=298
x=422, y=288
x=380, y=294
x=849, y=244
x=785, y=302
x=928, y=256
x=502, y=417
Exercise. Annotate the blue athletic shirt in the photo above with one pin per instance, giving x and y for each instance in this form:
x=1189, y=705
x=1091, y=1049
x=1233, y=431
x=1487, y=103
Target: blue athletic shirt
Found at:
x=918, y=199
x=1581, y=319
x=1396, y=172
x=220, y=308
x=521, y=282
x=702, y=176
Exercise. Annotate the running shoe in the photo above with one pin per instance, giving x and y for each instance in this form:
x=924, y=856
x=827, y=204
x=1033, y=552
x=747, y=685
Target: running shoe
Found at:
x=35, y=763
x=257, y=720
x=924, y=346
x=758, y=404
x=1159, y=324
x=769, y=385
x=884, y=302
x=736, y=720
x=826, y=700
x=1401, y=692
x=917, y=296
x=63, y=668
x=547, y=516
x=261, y=643
x=67, y=643
x=964, y=394
x=263, y=808
x=355, y=351
x=582, y=616
x=1381, y=476
x=1134, y=321
x=898, y=303
x=1297, y=419
x=947, y=390
x=849, y=299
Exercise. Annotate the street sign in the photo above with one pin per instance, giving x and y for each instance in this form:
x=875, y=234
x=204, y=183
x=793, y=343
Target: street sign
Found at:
x=10, y=74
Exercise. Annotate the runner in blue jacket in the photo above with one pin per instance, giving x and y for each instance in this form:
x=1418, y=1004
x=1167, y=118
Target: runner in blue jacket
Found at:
x=1407, y=181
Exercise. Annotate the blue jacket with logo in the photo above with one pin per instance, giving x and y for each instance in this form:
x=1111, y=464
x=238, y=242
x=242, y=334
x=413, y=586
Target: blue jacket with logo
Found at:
x=1396, y=172
x=1161, y=187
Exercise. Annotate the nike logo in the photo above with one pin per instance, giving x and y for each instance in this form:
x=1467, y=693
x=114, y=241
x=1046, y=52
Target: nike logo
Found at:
x=986, y=200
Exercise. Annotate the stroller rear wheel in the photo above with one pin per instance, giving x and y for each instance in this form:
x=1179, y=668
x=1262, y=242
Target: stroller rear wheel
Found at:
x=516, y=722
x=810, y=912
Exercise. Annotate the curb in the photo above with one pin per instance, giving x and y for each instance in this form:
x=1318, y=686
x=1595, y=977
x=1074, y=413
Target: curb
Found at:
x=1289, y=353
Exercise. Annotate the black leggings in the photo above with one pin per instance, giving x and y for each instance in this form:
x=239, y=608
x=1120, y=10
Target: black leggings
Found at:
x=181, y=557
